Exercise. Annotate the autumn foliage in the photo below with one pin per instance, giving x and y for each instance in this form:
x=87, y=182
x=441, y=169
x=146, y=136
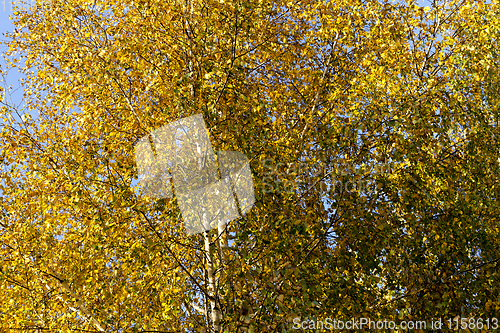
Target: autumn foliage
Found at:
x=336, y=87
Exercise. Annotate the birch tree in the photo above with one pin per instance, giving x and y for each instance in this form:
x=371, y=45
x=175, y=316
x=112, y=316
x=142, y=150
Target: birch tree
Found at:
x=371, y=133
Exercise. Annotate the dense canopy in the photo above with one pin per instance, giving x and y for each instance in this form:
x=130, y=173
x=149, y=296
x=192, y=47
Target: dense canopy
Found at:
x=371, y=129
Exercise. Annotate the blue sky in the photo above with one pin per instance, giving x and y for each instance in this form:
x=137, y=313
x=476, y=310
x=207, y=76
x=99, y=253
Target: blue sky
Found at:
x=6, y=10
